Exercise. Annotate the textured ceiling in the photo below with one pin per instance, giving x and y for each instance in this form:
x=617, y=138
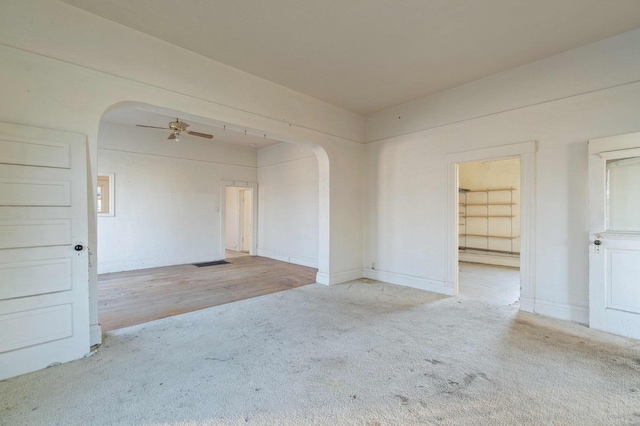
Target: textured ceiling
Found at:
x=367, y=55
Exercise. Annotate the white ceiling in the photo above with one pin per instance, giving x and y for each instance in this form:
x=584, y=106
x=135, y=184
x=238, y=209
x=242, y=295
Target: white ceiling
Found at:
x=367, y=55
x=131, y=116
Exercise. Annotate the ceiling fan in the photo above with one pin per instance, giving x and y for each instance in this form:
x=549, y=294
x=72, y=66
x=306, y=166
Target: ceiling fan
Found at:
x=177, y=128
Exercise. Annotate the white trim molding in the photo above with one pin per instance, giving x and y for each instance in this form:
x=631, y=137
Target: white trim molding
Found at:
x=527, y=305
x=289, y=258
x=95, y=335
x=338, y=277
x=420, y=283
x=111, y=199
x=563, y=311
x=224, y=184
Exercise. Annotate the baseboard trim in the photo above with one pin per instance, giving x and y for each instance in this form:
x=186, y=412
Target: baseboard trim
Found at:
x=563, y=311
x=289, y=258
x=106, y=268
x=489, y=260
x=527, y=304
x=339, y=277
x=95, y=335
x=420, y=283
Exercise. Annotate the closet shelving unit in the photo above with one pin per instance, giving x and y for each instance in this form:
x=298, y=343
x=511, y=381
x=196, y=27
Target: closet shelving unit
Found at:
x=488, y=216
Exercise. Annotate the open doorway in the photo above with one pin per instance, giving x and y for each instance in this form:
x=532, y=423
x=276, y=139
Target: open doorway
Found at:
x=489, y=223
x=238, y=221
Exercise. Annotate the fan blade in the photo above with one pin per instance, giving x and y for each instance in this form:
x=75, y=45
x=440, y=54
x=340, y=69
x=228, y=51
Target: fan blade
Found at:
x=172, y=136
x=152, y=127
x=202, y=135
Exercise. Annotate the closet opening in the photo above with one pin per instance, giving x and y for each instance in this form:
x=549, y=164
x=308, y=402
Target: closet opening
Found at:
x=489, y=230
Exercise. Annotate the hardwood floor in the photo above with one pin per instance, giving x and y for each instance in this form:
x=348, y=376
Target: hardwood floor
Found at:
x=134, y=297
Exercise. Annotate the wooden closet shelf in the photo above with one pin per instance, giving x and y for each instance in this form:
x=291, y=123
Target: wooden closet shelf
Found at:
x=508, y=237
x=488, y=204
x=484, y=215
x=463, y=248
x=488, y=189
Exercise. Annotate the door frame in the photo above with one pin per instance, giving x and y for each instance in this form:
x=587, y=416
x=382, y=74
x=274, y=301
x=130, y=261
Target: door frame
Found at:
x=526, y=151
x=253, y=187
x=242, y=202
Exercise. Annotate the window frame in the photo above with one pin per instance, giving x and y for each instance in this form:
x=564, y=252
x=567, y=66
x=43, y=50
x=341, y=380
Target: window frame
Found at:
x=111, y=198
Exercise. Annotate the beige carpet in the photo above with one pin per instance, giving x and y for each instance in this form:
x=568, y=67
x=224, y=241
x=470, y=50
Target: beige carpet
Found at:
x=362, y=353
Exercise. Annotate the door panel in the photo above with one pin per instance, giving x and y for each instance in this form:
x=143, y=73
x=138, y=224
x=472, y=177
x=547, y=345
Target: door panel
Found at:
x=44, y=312
x=622, y=275
x=33, y=149
x=20, y=279
x=614, y=255
x=35, y=326
x=34, y=233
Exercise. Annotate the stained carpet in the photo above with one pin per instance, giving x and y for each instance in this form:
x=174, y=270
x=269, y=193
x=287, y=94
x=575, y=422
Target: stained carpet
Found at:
x=362, y=353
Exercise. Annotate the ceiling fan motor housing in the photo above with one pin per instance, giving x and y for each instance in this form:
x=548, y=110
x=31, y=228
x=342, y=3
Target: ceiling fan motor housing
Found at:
x=178, y=125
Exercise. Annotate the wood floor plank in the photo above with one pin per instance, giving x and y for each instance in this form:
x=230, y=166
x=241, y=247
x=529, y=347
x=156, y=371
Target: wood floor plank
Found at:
x=135, y=297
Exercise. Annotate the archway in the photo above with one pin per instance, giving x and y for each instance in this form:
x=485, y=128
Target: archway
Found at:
x=128, y=114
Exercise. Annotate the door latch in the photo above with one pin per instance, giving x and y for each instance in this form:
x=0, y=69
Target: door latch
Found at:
x=597, y=243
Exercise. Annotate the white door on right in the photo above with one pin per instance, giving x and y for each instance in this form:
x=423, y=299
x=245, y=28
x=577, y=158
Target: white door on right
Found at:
x=614, y=221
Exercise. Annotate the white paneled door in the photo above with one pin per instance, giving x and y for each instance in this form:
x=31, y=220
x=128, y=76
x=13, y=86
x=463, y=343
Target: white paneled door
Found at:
x=44, y=309
x=614, y=217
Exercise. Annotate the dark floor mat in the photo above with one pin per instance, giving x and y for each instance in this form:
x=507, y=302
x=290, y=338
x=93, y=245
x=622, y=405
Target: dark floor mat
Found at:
x=215, y=262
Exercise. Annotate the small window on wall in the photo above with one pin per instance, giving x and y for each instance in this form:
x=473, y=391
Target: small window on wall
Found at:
x=104, y=194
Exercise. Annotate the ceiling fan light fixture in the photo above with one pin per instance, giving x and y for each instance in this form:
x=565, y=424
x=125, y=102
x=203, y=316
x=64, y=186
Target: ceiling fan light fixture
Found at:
x=177, y=128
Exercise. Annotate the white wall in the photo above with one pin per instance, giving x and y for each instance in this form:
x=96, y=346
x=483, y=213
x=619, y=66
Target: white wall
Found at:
x=63, y=68
x=503, y=173
x=288, y=204
x=167, y=197
x=576, y=96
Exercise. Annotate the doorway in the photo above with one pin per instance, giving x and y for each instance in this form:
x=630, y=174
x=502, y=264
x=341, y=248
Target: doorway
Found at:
x=489, y=230
x=526, y=152
x=238, y=221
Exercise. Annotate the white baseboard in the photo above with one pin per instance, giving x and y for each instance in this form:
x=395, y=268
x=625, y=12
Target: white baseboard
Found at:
x=527, y=304
x=338, y=277
x=108, y=267
x=513, y=262
x=435, y=286
x=95, y=335
x=563, y=311
x=289, y=258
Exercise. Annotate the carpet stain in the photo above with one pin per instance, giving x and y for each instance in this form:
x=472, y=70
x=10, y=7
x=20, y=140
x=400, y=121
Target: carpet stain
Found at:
x=468, y=379
x=403, y=399
x=435, y=361
x=484, y=376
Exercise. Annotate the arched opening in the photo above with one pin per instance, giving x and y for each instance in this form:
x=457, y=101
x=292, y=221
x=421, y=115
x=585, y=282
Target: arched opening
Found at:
x=160, y=203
